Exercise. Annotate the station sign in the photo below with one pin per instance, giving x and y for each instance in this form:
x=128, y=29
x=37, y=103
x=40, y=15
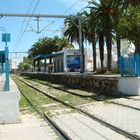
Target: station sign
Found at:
x=6, y=37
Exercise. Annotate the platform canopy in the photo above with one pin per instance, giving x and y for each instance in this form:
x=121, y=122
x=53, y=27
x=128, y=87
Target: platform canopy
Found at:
x=41, y=56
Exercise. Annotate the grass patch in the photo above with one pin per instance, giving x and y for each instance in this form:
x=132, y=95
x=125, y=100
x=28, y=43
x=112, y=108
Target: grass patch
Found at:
x=43, y=103
x=24, y=106
x=35, y=97
x=62, y=95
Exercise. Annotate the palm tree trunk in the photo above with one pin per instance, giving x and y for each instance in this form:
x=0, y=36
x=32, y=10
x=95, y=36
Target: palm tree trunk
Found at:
x=137, y=47
x=101, y=47
x=34, y=65
x=83, y=58
x=118, y=40
x=94, y=52
x=109, y=49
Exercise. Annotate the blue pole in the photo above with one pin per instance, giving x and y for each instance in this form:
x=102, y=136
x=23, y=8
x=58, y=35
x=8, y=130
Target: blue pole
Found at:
x=7, y=67
x=122, y=65
x=137, y=65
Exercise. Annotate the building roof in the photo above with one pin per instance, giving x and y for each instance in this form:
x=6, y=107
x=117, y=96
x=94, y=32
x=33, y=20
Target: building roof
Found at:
x=2, y=52
x=42, y=56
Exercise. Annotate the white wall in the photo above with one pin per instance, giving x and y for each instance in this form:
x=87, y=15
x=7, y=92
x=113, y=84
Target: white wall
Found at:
x=129, y=85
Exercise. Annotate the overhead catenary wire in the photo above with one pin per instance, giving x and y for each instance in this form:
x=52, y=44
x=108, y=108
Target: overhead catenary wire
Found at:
x=67, y=11
x=18, y=42
x=24, y=20
x=52, y=22
x=20, y=37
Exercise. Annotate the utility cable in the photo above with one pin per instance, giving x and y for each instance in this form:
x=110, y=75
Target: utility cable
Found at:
x=67, y=11
x=24, y=21
x=27, y=24
x=57, y=19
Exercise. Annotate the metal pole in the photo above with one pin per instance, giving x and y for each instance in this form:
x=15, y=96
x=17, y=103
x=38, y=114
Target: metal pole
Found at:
x=81, y=47
x=38, y=25
x=7, y=88
x=6, y=38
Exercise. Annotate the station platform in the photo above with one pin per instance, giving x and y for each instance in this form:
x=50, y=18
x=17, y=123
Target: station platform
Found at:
x=15, y=125
x=2, y=82
x=13, y=86
x=30, y=127
x=9, y=102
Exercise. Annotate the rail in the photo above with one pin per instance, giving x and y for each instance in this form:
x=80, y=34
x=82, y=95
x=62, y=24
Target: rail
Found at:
x=118, y=130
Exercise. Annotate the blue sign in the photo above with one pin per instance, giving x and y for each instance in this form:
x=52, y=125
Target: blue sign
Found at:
x=73, y=62
x=6, y=37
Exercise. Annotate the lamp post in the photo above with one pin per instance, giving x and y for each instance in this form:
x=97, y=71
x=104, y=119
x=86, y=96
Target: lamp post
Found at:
x=6, y=38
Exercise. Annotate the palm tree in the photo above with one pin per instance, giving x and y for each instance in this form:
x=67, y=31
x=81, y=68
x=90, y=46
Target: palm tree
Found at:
x=63, y=43
x=48, y=45
x=104, y=10
x=90, y=34
x=72, y=32
x=129, y=27
x=121, y=6
x=100, y=36
x=91, y=37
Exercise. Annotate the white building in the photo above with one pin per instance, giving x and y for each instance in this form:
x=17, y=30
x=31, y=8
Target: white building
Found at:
x=126, y=48
x=69, y=59
x=66, y=60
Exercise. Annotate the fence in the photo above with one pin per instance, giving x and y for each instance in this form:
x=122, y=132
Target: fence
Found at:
x=130, y=65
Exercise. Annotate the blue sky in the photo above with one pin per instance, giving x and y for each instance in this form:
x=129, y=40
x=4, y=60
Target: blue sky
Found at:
x=14, y=24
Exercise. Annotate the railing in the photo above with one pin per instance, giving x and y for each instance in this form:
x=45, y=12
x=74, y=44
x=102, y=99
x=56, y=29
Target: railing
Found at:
x=130, y=65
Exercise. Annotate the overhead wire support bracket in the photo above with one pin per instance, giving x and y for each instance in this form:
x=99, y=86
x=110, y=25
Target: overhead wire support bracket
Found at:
x=52, y=16
x=38, y=31
x=33, y=15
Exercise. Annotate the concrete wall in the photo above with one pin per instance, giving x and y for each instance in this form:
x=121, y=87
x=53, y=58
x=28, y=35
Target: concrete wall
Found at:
x=124, y=85
x=129, y=85
x=92, y=83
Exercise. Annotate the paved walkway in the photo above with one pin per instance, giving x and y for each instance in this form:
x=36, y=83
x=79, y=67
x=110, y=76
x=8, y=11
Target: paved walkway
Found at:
x=80, y=127
x=122, y=117
x=13, y=86
x=30, y=128
x=132, y=101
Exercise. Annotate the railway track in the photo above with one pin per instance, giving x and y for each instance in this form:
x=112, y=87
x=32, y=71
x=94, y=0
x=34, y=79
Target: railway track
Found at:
x=118, y=130
x=96, y=97
x=47, y=119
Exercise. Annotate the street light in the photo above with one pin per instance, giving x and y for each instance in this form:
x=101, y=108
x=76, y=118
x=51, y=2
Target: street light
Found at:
x=6, y=38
